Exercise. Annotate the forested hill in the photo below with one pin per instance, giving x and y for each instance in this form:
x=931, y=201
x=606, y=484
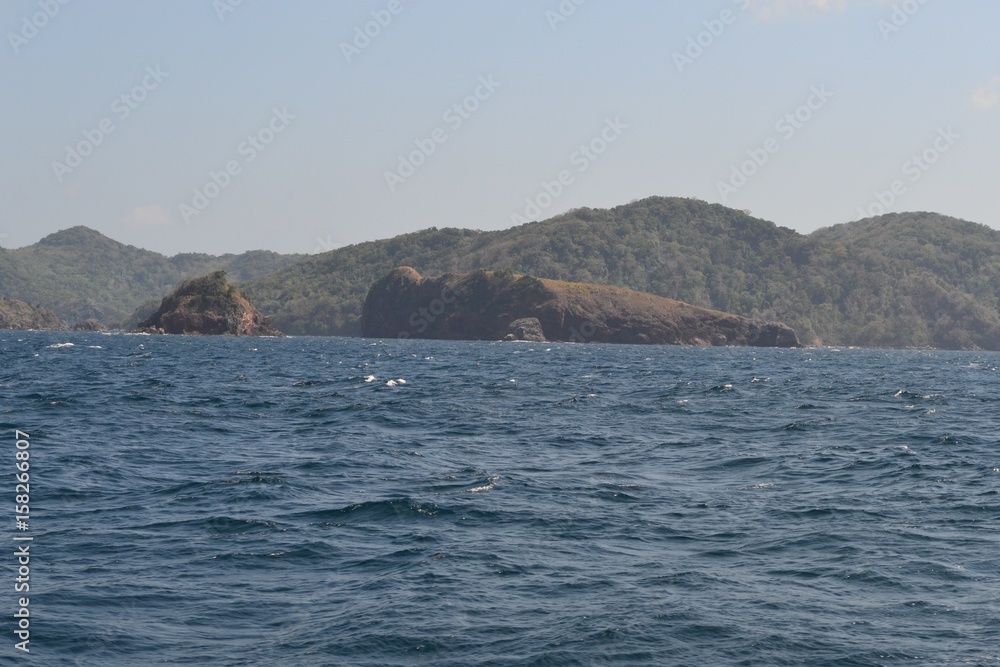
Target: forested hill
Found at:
x=902, y=280
x=906, y=280
x=80, y=273
x=917, y=279
x=663, y=246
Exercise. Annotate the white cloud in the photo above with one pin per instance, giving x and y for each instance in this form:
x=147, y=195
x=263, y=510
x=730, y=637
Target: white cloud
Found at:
x=149, y=216
x=987, y=97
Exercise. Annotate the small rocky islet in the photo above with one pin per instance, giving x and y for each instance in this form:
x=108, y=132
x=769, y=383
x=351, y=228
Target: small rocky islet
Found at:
x=208, y=306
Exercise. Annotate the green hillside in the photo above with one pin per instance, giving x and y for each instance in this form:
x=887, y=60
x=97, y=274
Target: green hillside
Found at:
x=80, y=273
x=907, y=280
x=901, y=280
x=709, y=255
x=918, y=279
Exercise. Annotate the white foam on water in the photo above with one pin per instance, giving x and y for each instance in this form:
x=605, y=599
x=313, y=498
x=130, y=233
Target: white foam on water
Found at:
x=491, y=483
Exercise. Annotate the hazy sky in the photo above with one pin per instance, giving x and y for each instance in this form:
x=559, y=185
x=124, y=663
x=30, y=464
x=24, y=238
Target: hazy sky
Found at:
x=227, y=125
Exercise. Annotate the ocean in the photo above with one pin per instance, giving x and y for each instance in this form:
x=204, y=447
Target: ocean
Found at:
x=335, y=501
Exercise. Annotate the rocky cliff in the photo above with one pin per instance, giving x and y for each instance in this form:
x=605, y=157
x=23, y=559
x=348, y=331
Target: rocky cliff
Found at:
x=208, y=306
x=16, y=314
x=486, y=306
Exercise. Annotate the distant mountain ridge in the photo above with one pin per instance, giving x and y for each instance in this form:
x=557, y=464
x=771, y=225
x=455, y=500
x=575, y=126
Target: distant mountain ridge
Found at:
x=81, y=274
x=898, y=280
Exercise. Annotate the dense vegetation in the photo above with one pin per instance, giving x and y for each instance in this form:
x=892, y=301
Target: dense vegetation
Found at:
x=209, y=292
x=908, y=280
x=900, y=280
x=81, y=274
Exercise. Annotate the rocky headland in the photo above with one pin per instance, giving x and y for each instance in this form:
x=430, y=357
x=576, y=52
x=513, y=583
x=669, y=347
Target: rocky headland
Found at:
x=15, y=314
x=487, y=305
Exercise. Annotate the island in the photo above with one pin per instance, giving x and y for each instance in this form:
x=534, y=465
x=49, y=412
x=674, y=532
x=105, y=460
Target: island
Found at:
x=208, y=306
x=500, y=305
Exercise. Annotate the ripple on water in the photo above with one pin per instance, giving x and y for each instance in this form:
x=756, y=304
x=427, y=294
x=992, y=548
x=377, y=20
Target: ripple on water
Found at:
x=207, y=503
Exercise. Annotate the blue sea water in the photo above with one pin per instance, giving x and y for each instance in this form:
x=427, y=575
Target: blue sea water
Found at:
x=225, y=501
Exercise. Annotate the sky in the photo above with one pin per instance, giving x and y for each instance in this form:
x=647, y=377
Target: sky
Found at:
x=300, y=126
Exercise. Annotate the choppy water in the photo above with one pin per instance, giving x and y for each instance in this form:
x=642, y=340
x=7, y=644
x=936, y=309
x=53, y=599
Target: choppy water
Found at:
x=205, y=501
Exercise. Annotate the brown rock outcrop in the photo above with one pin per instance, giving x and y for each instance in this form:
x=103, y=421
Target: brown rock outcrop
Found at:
x=526, y=329
x=208, y=306
x=16, y=314
x=485, y=305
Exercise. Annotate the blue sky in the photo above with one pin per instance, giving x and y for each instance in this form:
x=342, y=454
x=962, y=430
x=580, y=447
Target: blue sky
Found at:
x=221, y=126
